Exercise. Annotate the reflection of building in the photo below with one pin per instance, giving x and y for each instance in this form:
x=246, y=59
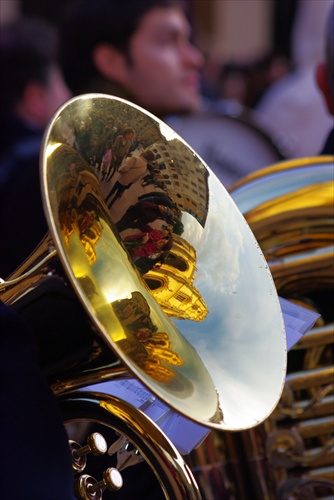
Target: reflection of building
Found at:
x=185, y=177
x=171, y=284
x=183, y=174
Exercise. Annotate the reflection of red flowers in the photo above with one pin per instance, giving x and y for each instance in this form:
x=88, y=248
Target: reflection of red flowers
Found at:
x=148, y=242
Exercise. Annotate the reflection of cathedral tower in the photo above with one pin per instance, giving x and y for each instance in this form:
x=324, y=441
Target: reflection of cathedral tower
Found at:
x=171, y=284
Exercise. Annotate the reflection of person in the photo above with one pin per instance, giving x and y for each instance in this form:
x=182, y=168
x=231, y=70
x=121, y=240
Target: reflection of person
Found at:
x=154, y=178
x=325, y=79
x=293, y=104
x=131, y=170
x=144, y=212
x=106, y=161
x=31, y=89
x=140, y=51
x=121, y=146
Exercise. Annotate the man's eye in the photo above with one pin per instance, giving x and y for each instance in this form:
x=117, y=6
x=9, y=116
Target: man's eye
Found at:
x=167, y=41
x=168, y=38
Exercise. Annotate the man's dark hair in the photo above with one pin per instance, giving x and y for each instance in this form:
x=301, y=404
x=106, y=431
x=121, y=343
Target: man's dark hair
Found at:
x=28, y=49
x=86, y=23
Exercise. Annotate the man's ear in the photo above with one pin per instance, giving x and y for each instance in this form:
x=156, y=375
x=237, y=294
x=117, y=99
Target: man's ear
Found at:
x=32, y=103
x=110, y=62
x=322, y=78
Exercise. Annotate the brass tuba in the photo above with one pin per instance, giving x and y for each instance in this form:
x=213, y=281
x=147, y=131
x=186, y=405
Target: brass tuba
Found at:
x=145, y=243
x=289, y=207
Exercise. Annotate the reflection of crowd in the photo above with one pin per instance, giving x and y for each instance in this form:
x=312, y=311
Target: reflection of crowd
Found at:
x=154, y=177
x=118, y=168
x=103, y=140
x=125, y=163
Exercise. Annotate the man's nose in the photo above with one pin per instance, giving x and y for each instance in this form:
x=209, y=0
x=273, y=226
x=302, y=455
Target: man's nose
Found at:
x=193, y=56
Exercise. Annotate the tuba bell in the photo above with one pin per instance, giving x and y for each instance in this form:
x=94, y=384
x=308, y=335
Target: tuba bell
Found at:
x=145, y=243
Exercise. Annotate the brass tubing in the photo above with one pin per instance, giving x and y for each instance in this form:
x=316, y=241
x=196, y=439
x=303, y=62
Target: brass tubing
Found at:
x=305, y=409
x=322, y=473
x=316, y=336
x=81, y=380
x=316, y=427
x=31, y=272
x=319, y=457
x=320, y=408
x=310, y=378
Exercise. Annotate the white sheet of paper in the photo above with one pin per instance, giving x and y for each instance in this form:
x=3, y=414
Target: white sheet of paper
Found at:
x=184, y=433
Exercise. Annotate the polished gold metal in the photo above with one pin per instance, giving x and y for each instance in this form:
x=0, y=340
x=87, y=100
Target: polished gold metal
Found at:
x=112, y=480
x=290, y=209
x=226, y=369
x=78, y=462
x=173, y=474
x=96, y=444
x=82, y=488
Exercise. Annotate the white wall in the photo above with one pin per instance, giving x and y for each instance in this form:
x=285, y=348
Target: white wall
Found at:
x=239, y=29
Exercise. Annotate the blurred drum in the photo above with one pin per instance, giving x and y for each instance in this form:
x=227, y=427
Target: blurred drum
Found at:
x=231, y=139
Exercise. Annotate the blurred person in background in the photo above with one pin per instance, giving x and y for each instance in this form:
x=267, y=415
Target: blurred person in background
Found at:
x=325, y=80
x=31, y=428
x=246, y=81
x=31, y=90
x=293, y=105
x=140, y=51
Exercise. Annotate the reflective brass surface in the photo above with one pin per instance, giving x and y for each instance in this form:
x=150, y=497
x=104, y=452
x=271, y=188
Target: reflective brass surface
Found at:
x=112, y=292
x=227, y=367
x=175, y=477
x=299, y=183
x=289, y=207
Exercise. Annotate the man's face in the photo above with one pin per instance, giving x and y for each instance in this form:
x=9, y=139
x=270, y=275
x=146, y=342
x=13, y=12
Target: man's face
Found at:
x=163, y=72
